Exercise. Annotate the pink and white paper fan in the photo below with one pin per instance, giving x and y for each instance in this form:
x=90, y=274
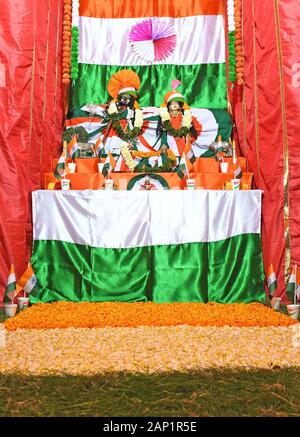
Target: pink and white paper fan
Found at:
x=153, y=39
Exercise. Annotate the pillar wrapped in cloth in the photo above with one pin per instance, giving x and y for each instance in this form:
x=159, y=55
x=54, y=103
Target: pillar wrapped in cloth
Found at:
x=163, y=246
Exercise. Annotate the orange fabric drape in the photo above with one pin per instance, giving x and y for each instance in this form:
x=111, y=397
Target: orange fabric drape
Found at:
x=266, y=110
x=149, y=8
x=31, y=105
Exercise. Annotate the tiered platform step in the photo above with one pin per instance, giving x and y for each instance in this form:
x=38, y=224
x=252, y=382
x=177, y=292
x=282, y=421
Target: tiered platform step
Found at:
x=207, y=174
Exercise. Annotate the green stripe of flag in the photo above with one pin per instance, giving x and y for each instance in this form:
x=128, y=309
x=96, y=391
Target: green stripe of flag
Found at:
x=181, y=171
x=291, y=287
x=204, y=86
x=10, y=287
x=35, y=291
x=190, y=272
x=273, y=287
x=105, y=169
x=76, y=154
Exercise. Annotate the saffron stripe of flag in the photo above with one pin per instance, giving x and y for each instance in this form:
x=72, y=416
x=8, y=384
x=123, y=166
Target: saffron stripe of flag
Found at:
x=28, y=281
x=99, y=148
x=112, y=161
x=73, y=148
x=165, y=8
x=109, y=165
x=189, y=151
x=237, y=171
x=271, y=279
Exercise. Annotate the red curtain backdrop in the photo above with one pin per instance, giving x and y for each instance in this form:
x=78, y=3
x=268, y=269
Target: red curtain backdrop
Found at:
x=31, y=107
x=266, y=110
x=267, y=113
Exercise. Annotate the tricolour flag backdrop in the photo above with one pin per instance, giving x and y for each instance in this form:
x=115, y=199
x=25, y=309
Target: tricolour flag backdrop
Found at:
x=124, y=34
x=164, y=246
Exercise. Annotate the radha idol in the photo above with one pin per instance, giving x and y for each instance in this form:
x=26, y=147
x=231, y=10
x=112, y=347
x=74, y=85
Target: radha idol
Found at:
x=178, y=128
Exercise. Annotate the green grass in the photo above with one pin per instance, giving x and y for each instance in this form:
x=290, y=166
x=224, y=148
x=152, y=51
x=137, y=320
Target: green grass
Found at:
x=209, y=393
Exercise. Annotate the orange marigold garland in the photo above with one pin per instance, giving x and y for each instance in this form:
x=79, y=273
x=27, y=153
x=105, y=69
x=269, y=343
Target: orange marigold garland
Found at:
x=75, y=38
x=66, y=55
x=235, y=43
x=231, y=41
x=138, y=154
x=238, y=42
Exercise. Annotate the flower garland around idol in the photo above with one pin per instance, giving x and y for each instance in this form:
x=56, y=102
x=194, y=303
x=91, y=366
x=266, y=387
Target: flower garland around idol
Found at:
x=137, y=127
x=170, y=155
x=127, y=156
x=186, y=122
x=167, y=164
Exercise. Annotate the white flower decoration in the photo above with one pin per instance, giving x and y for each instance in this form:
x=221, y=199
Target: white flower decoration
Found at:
x=187, y=118
x=127, y=156
x=112, y=109
x=164, y=113
x=138, y=122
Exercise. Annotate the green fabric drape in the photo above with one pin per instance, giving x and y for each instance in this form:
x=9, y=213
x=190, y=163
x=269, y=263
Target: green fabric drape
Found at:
x=203, y=86
x=225, y=271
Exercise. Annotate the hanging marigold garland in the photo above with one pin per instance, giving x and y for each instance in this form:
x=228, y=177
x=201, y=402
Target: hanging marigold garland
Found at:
x=238, y=42
x=75, y=36
x=70, y=41
x=231, y=41
x=66, y=56
x=235, y=46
